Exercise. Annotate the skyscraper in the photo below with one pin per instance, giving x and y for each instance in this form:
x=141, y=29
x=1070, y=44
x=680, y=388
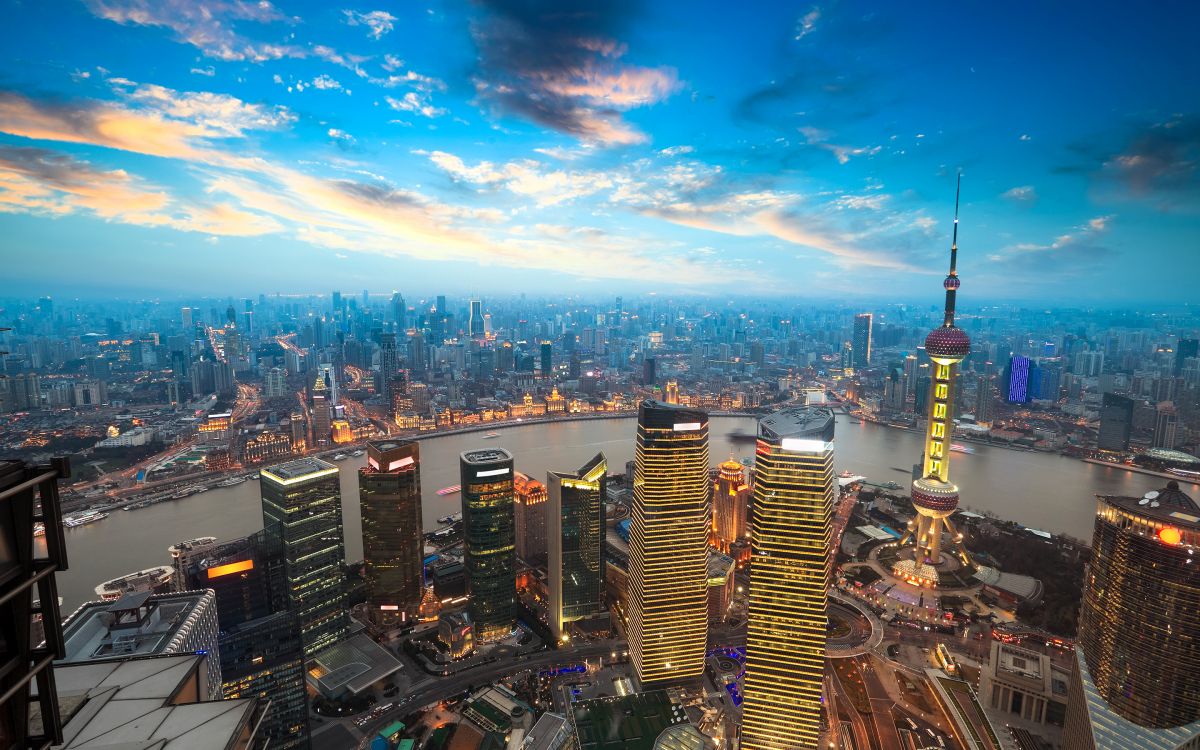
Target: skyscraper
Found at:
x=648, y=371
x=1136, y=682
x=1116, y=423
x=1185, y=349
x=302, y=507
x=861, y=344
x=488, y=540
x=730, y=495
x=789, y=579
x=1166, y=425
x=475, y=322
x=389, y=365
x=322, y=421
x=529, y=518
x=1021, y=380
x=547, y=361
x=399, y=311
x=259, y=642
x=668, y=598
x=389, y=494
x=933, y=495
x=985, y=400
x=575, y=521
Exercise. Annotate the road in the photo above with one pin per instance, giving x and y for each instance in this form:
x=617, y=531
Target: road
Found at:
x=435, y=689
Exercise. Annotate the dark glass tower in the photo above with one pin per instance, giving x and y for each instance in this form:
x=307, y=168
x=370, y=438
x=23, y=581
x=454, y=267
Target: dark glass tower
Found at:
x=489, y=541
x=389, y=494
x=1116, y=423
x=861, y=344
x=259, y=643
x=575, y=535
x=1137, y=676
x=302, y=508
x=475, y=322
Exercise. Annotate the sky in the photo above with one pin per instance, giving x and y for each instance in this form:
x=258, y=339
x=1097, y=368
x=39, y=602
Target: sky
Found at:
x=159, y=147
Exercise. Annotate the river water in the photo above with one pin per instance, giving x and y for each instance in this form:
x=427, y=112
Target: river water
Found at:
x=1040, y=490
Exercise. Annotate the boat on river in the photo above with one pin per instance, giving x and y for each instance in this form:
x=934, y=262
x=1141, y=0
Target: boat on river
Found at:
x=450, y=490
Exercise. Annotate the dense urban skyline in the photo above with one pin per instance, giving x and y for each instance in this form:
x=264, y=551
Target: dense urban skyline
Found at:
x=172, y=147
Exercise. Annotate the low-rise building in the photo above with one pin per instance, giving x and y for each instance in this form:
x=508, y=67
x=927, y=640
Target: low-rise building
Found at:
x=1027, y=682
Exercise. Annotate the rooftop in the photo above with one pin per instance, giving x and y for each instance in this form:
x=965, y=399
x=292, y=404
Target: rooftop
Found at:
x=1170, y=505
x=354, y=665
x=301, y=468
x=486, y=456
x=144, y=703
x=632, y=722
x=797, y=422
x=134, y=624
x=548, y=733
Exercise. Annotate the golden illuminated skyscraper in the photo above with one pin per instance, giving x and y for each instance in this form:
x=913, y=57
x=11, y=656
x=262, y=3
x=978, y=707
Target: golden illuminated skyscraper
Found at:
x=668, y=564
x=789, y=580
x=730, y=495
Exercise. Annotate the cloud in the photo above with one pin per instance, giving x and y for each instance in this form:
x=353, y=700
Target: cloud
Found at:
x=206, y=25
x=560, y=67
x=808, y=23
x=676, y=150
x=1163, y=158
x=416, y=103
x=342, y=137
x=326, y=83
x=208, y=71
x=1021, y=194
x=379, y=22
x=526, y=178
x=39, y=181
x=1073, y=253
x=220, y=115
x=819, y=138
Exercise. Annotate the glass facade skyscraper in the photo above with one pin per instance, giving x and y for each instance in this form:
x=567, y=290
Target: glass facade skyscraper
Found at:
x=389, y=494
x=302, y=507
x=259, y=643
x=1137, y=673
x=790, y=572
x=861, y=345
x=489, y=555
x=575, y=535
x=667, y=618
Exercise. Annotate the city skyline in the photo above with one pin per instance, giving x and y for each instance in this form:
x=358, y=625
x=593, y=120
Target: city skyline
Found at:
x=469, y=146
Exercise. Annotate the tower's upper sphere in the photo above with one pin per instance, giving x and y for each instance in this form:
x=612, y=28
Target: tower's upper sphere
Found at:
x=951, y=282
x=948, y=342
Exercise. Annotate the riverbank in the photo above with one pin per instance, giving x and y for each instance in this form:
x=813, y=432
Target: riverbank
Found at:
x=1138, y=470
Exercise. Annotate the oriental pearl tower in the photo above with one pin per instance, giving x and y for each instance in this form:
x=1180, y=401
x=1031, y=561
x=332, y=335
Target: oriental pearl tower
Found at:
x=934, y=496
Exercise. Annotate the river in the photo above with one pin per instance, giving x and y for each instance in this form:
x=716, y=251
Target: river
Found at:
x=1040, y=490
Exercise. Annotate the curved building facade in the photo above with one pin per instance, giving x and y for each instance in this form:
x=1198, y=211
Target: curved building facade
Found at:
x=1137, y=682
x=489, y=551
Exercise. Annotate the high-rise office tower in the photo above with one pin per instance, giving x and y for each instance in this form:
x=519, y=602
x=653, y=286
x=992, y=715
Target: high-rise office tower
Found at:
x=29, y=495
x=730, y=500
x=861, y=343
x=667, y=617
x=322, y=421
x=389, y=494
x=1116, y=423
x=985, y=400
x=275, y=385
x=185, y=318
x=1166, y=425
x=488, y=540
x=648, y=371
x=547, y=361
x=475, y=322
x=1136, y=682
x=389, y=365
x=399, y=311
x=327, y=382
x=1185, y=349
x=934, y=496
x=671, y=392
x=259, y=642
x=302, y=506
x=789, y=579
x=575, y=517
x=1021, y=380
x=529, y=517
x=186, y=554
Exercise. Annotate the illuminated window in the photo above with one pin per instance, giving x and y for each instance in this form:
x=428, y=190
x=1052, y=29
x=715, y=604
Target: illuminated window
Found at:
x=939, y=411
x=943, y=372
x=935, y=449
x=943, y=390
x=939, y=429
x=935, y=466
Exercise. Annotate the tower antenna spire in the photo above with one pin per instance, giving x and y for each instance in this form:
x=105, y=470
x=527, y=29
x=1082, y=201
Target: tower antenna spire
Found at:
x=954, y=240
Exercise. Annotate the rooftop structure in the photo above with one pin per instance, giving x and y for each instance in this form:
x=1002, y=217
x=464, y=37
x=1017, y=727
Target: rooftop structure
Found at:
x=631, y=722
x=551, y=732
x=352, y=666
x=146, y=624
x=299, y=470
x=151, y=702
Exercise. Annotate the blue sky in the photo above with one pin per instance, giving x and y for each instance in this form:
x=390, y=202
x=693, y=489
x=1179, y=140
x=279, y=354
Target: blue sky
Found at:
x=501, y=146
